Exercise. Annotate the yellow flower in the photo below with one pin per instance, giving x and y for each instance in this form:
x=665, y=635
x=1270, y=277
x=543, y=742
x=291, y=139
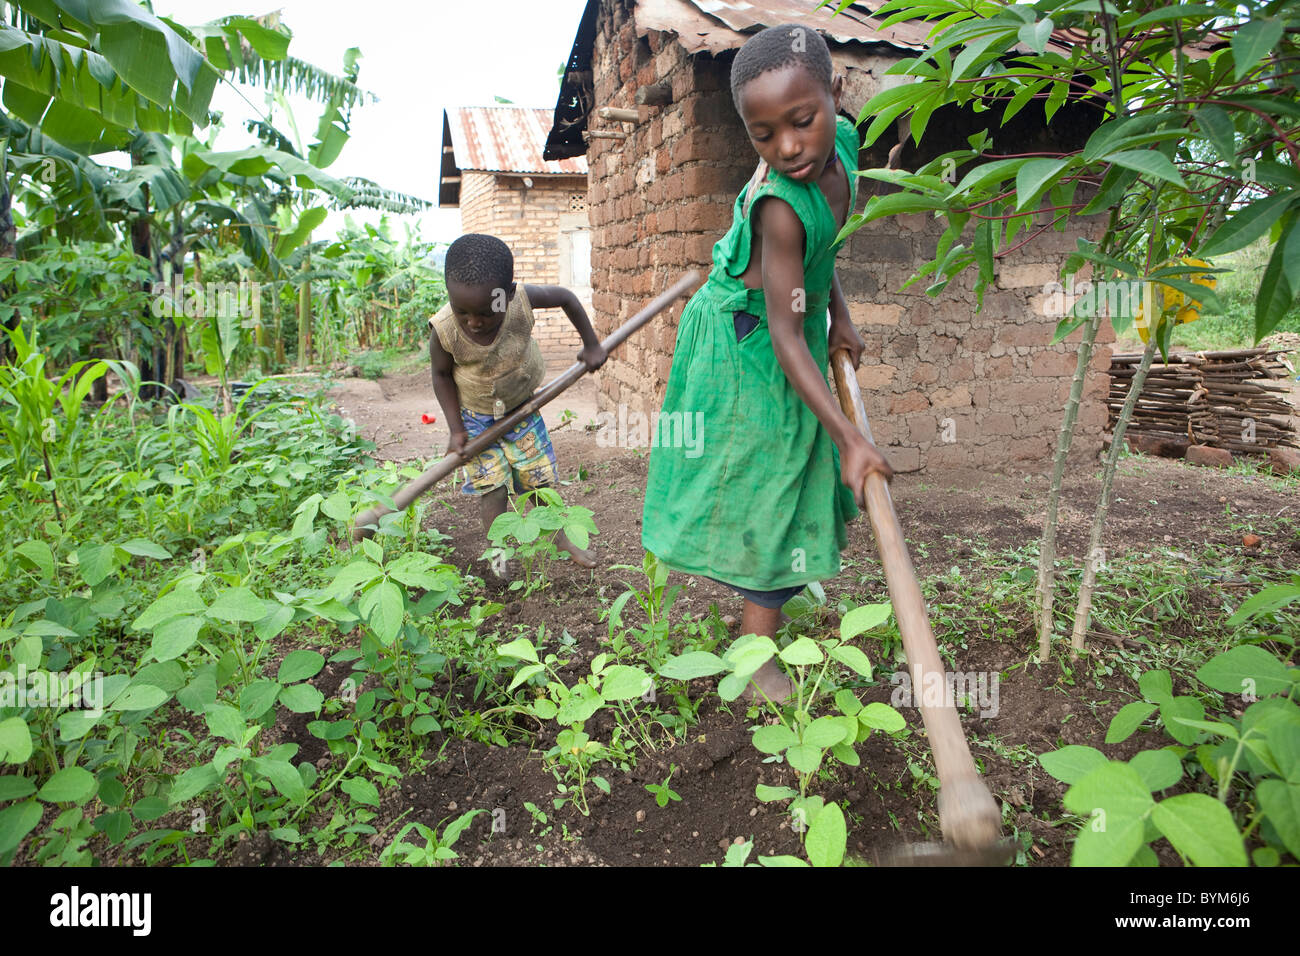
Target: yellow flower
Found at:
x=1173, y=300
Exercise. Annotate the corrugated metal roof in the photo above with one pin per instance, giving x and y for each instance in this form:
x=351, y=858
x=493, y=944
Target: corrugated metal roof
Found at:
x=713, y=25
x=716, y=25
x=505, y=139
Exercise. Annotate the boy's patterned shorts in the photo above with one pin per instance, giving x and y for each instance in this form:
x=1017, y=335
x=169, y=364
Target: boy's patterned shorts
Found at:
x=523, y=457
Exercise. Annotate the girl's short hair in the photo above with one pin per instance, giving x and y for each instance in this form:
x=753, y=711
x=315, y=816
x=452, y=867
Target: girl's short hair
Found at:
x=778, y=47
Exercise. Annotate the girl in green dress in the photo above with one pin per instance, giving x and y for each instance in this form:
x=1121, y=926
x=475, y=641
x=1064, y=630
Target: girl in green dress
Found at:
x=761, y=506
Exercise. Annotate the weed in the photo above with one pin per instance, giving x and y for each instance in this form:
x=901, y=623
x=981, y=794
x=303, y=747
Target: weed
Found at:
x=437, y=849
x=661, y=791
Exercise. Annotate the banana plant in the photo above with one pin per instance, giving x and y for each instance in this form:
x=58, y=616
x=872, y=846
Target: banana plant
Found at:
x=86, y=78
x=306, y=210
x=91, y=74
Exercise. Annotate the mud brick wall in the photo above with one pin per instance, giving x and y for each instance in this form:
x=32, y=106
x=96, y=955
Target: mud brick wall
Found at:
x=660, y=199
x=944, y=385
x=529, y=221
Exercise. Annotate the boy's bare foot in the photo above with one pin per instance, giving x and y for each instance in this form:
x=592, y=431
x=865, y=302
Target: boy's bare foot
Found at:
x=582, y=558
x=492, y=505
x=774, y=685
x=504, y=571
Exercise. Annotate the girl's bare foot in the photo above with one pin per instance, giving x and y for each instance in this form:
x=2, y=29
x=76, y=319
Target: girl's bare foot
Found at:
x=774, y=685
x=582, y=558
x=768, y=679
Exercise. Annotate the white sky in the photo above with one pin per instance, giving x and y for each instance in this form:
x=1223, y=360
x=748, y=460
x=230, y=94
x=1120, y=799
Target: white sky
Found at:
x=418, y=58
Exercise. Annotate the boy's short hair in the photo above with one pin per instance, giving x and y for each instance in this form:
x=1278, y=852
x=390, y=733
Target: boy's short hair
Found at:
x=477, y=259
x=776, y=48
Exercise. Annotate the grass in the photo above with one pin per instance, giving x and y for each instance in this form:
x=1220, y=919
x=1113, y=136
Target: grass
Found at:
x=391, y=361
x=1235, y=327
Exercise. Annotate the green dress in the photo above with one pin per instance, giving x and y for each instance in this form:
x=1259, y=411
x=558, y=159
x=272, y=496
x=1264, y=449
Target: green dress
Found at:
x=757, y=502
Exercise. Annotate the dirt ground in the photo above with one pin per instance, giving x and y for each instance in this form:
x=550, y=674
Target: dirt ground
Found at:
x=1158, y=504
x=1006, y=509
x=388, y=411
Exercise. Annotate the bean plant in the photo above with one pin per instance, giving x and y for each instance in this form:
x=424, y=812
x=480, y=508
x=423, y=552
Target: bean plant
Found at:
x=798, y=738
x=530, y=535
x=607, y=685
x=1239, y=774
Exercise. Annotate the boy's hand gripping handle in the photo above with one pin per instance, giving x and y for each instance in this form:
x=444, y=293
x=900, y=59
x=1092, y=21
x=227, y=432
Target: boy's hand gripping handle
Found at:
x=967, y=813
x=366, y=522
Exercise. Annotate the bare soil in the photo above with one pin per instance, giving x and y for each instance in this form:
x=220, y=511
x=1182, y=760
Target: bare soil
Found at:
x=947, y=517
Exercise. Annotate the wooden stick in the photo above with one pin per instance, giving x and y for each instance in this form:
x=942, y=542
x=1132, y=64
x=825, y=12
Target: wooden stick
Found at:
x=616, y=114
x=967, y=813
x=367, y=521
x=657, y=94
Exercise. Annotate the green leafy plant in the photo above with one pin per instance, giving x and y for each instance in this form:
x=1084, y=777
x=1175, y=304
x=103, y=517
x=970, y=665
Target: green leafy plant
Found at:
x=1254, y=758
x=402, y=655
x=662, y=792
x=737, y=854
x=655, y=601
x=534, y=532
x=797, y=737
x=28, y=400
x=78, y=293
x=1156, y=688
x=824, y=842
x=539, y=819
x=607, y=685
x=265, y=784
x=572, y=758
x=437, y=849
x=217, y=437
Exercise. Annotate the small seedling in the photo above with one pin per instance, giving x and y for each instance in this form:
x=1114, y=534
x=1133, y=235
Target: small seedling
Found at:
x=661, y=791
x=437, y=849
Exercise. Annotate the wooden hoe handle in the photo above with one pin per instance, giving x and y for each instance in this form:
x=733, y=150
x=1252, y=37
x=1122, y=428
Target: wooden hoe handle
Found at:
x=967, y=813
x=366, y=522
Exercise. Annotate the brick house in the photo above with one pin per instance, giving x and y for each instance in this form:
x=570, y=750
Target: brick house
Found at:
x=492, y=169
x=646, y=99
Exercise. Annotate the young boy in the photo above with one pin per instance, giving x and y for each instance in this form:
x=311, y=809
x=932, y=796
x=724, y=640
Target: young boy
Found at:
x=486, y=364
x=764, y=509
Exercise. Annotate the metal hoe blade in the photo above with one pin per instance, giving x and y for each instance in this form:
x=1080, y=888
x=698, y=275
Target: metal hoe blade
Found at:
x=1000, y=853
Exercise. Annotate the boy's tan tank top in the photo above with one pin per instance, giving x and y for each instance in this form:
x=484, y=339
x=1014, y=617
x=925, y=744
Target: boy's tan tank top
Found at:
x=509, y=370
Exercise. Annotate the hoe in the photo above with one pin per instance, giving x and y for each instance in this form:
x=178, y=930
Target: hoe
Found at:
x=969, y=817
x=972, y=826
x=367, y=521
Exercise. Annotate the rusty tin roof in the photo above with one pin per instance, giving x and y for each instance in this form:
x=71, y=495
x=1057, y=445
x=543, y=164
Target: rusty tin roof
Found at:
x=715, y=26
x=498, y=139
x=712, y=25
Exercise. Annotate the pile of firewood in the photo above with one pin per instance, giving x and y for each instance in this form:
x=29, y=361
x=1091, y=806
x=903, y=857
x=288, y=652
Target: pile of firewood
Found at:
x=1235, y=400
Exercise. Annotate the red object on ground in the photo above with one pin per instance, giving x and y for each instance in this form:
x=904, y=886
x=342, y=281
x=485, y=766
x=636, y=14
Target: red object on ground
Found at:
x=427, y=419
